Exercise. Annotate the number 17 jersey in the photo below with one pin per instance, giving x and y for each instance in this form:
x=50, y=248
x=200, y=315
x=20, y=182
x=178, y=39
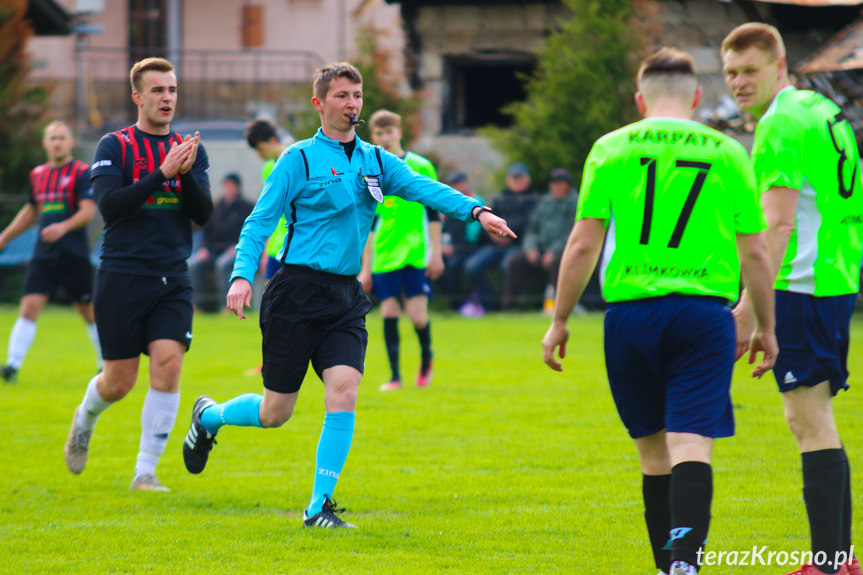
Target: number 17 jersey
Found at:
x=674, y=195
x=804, y=142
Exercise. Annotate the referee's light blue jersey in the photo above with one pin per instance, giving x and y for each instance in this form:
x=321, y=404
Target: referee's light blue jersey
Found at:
x=329, y=206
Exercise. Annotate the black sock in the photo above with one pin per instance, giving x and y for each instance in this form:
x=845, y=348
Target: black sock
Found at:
x=824, y=477
x=391, y=338
x=657, y=513
x=424, y=333
x=846, y=515
x=691, y=495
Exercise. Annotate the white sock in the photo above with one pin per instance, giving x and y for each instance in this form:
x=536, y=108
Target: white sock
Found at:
x=157, y=421
x=20, y=340
x=687, y=568
x=94, y=337
x=92, y=406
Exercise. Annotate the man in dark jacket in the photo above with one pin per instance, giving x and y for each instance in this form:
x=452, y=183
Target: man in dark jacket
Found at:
x=220, y=242
x=515, y=204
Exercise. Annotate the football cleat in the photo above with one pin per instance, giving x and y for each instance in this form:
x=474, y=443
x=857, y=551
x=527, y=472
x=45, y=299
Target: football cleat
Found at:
x=327, y=516
x=425, y=379
x=77, y=446
x=199, y=442
x=147, y=482
x=9, y=374
x=391, y=385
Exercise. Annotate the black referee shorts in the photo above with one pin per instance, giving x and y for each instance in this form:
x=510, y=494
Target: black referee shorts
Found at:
x=73, y=273
x=132, y=311
x=308, y=315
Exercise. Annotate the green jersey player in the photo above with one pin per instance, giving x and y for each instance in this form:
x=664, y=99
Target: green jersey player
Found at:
x=807, y=165
x=678, y=200
x=403, y=253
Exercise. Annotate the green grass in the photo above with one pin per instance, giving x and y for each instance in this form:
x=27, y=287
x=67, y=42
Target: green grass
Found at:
x=502, y=466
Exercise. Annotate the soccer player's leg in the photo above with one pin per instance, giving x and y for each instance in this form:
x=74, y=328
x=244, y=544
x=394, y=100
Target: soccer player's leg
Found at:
x=634, y=367
x=120, y=301
x=698, y=353
x=40, y=282
x=168, y=336
x=388, y=287
x=77, y=277
x=417, y=289
x=810, y=371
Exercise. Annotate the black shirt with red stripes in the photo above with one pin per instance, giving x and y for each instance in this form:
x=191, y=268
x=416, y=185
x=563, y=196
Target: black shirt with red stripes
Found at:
x=148, y=218
x=56, y=193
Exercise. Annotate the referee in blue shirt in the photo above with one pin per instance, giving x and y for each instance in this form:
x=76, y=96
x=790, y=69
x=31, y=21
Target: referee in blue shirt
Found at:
x=314, y=308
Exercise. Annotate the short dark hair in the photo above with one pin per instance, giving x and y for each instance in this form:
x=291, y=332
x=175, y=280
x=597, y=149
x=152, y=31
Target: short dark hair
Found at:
x=147, y=65
x=330, y=72
x=260, y=130
x=667, y=61
x=385, y=119
x=755, y=34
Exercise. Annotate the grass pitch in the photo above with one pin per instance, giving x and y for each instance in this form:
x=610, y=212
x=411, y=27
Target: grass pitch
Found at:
x=501, y=466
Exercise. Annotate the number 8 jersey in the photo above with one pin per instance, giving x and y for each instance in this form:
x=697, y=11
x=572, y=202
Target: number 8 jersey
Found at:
x=674, y=195
x=804, y=142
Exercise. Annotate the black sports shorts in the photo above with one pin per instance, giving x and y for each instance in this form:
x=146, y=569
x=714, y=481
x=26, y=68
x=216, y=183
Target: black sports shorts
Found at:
x=308, y=315
x=134, y=310
x=73, y=273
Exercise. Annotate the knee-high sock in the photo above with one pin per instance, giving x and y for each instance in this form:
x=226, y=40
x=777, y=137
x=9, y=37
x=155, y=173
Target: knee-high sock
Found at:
x=691, y=495
x=333, y=448
x=424, y=335
x=93, y=333
x=656, y=491
x=20, y=340
x=157, y=421
x=824, y=495
x=242, y=411
x=391, y=339
x=92, y=406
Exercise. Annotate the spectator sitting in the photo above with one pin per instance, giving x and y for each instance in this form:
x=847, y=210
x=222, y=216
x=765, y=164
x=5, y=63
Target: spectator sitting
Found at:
x=544, y=239
x=515, y=204
x=220, y=242
x=460, y=240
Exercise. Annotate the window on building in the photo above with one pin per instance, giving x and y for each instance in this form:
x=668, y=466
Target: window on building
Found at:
x=478, y=90
x=147, y=28
x=253, y=25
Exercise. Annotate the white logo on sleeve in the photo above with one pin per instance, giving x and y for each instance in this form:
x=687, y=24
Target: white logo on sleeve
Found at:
x=101, y=163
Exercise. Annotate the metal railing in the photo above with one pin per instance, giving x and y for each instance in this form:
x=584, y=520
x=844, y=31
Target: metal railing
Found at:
x=214, y=85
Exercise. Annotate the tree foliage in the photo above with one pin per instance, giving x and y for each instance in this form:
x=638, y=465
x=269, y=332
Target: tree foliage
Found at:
x=582, y=88
x=22, y=106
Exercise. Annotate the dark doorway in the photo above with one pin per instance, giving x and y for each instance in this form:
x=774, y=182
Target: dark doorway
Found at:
x=478, y=90
x=147, y=29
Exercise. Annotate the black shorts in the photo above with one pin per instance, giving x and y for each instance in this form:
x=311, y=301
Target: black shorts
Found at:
x=307, y=315
x=73, y=273
x=133, y=310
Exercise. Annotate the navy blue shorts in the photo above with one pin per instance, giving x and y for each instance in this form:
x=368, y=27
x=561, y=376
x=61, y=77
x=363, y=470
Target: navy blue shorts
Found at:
x=407, y=281
x=311, y=316
x=813, y=340
x=132, y=311
x=273, y=265
x=670, y=361
x=74, y=274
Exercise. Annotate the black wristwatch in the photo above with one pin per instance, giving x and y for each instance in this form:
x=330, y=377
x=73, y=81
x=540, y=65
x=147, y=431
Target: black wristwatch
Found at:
x=478, y=210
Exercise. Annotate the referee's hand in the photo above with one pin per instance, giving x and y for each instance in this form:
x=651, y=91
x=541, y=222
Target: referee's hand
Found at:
x=494, y=225
x=239, y=296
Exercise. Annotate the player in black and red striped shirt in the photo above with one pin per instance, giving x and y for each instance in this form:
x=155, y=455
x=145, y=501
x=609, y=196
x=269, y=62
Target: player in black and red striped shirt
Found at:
x=61, y=204
x=150, y=184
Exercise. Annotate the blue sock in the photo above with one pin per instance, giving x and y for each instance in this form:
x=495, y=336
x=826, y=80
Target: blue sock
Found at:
x=242, y=411
x=332, y=452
